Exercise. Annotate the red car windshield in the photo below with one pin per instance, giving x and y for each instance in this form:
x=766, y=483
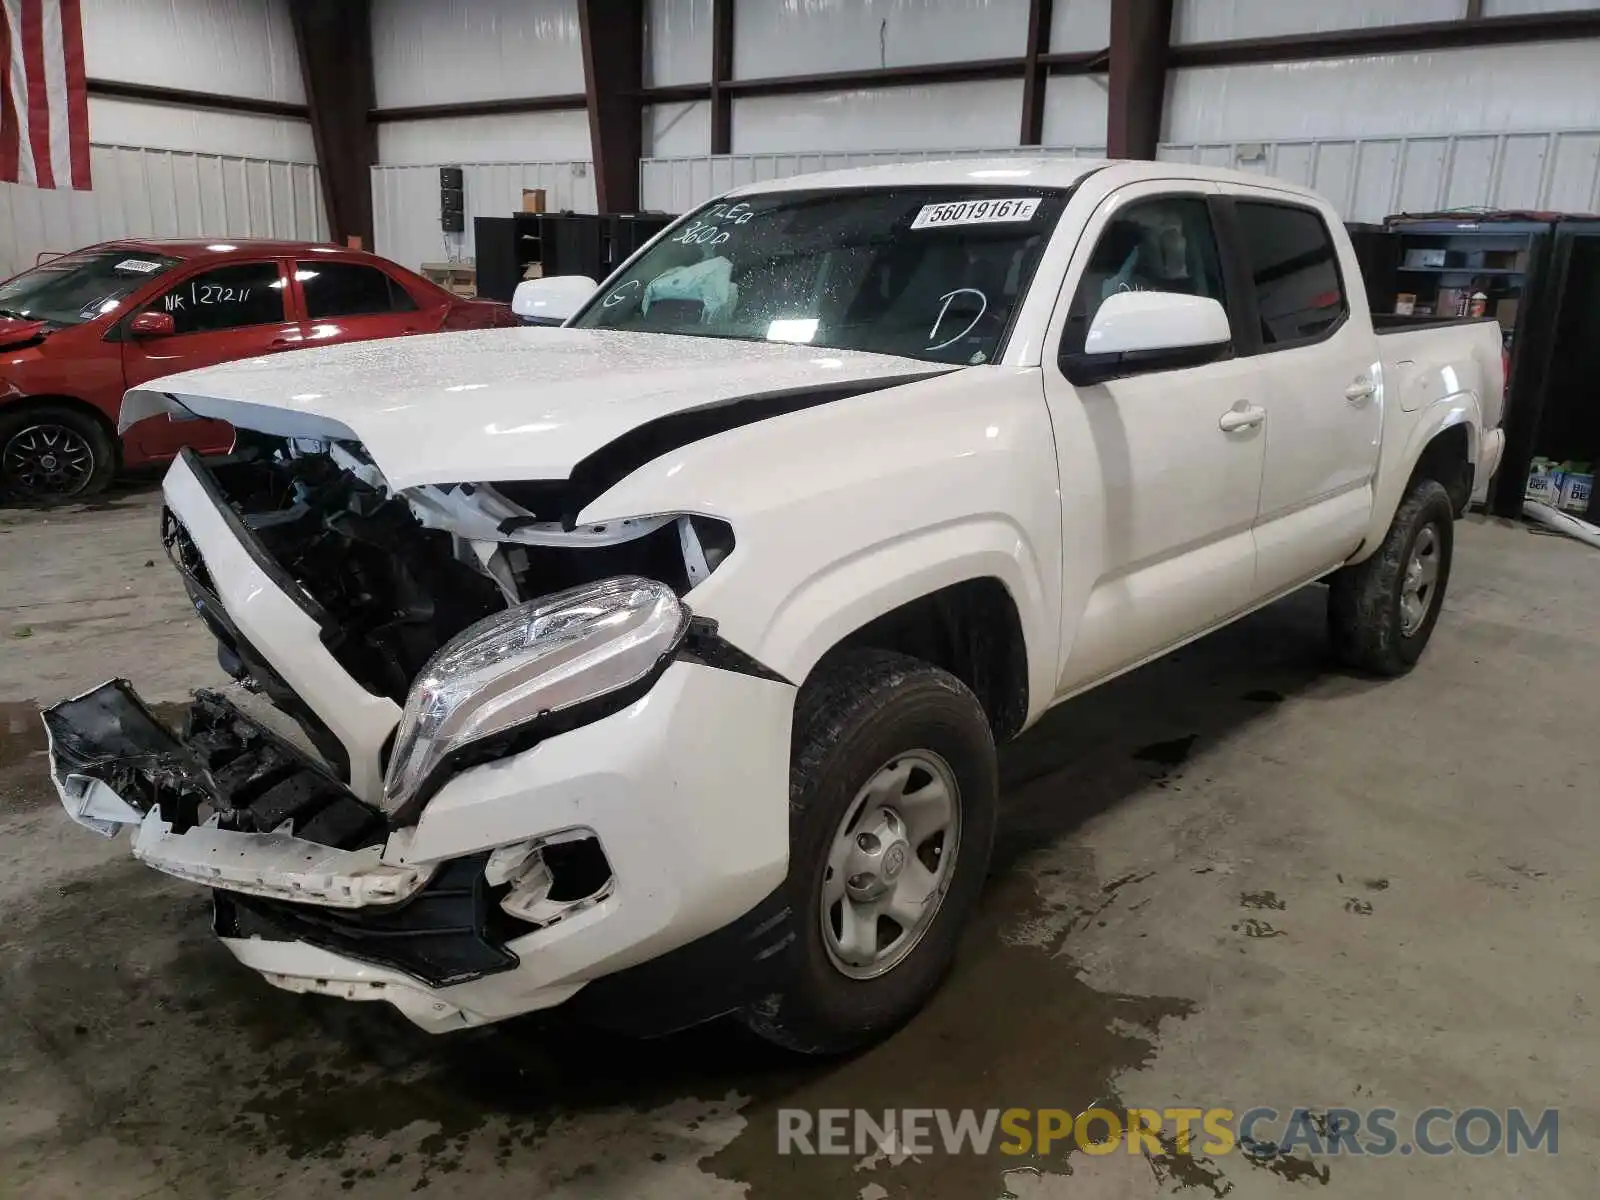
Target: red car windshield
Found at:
x=79, y=287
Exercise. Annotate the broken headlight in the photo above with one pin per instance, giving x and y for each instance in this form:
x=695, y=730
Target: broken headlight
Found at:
x=502, y=678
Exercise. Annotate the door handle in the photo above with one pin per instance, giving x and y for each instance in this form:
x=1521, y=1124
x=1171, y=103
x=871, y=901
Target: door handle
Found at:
x=283, y=343
x=1242, y=415
x=1359, y=392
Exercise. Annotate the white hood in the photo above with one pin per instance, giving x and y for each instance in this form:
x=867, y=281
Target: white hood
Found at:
x=497, y=404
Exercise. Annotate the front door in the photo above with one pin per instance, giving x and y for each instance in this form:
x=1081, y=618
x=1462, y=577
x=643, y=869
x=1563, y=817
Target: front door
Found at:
x=218, y=314
x=1158, y=491
x=1324, y=416
x=353, y=302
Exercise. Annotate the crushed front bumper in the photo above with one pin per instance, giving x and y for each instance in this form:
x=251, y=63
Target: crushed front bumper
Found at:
x=683, y=790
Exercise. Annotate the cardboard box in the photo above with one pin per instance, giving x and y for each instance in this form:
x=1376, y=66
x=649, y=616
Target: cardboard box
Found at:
x=1575, y=490
x=1450, y=302
x=1505, y=311
x=533, y=200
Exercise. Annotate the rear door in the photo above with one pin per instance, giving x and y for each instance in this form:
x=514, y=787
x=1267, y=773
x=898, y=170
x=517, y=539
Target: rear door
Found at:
x=1316, y=354
x=348, y=301
x=1158, y=492
x=219, y=313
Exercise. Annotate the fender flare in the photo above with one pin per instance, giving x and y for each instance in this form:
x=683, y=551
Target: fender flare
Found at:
x=1448, y=412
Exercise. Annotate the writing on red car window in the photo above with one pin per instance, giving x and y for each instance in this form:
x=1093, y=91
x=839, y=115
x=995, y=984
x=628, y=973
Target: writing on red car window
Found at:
x=206, y=293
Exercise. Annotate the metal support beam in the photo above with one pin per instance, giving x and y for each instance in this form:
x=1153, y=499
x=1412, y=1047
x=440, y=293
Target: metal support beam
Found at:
x=1140, y=33
x=721, y=73
x=116, y=89
x=1575, y=24
x=335, y=46
x=613, y=80
x=1035, y=73
x=481, y=108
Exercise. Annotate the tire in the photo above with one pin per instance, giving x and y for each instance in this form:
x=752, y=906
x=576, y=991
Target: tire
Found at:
x=53, y=454
x=865, y=716
x=1372, y=621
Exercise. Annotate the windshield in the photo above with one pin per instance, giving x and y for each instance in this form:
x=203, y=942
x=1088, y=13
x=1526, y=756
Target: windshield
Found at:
x=79, y=287
x=931, y=273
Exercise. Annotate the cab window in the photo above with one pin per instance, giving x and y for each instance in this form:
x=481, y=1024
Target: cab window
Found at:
x=1164, y=244
x=225, y=298
x=1295, y=269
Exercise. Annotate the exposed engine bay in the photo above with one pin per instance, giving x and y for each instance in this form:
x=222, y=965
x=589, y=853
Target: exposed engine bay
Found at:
x=391, y=577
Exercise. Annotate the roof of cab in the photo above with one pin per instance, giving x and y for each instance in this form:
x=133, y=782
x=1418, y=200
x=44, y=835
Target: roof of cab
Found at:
x=1044, y=170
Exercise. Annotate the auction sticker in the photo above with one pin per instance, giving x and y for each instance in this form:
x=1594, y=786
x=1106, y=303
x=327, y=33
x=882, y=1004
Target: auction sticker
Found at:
x=142, y=265
x=975, y=212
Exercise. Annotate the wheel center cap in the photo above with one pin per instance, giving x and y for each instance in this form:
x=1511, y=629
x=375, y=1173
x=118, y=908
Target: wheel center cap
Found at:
x=894, y=860
x=48, y=462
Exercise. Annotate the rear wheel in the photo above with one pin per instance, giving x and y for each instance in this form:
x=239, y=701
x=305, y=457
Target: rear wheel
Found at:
x=893, y=793
x=51, y=453
x=1381, y=612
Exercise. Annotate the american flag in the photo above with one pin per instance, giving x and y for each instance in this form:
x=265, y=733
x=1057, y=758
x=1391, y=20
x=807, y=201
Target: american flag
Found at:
x=44, y=108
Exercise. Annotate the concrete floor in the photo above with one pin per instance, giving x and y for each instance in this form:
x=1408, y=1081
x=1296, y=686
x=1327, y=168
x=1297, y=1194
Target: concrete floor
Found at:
x=1235, y=878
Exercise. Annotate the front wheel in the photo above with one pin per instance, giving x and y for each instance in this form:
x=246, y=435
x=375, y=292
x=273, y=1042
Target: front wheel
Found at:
x=50, y=453
x=1381, y=612
x=893, y=794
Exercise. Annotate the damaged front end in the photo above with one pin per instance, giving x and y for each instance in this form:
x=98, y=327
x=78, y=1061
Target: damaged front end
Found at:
x=427, y=643
x=220, y=805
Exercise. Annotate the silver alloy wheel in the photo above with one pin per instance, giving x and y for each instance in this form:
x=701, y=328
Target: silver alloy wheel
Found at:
x=47, y=461
x=1422, y=578
x=890, y=863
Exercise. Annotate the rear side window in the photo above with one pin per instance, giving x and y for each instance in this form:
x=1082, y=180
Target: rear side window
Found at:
x=230, y=297
x=336, y=289
x=1295, y=268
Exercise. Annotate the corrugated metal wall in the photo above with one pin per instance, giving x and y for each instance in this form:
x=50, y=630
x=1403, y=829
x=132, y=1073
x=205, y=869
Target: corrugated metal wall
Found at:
x=1370, y=178
x=405, y=203
x=141, y=192
x=1367, y=178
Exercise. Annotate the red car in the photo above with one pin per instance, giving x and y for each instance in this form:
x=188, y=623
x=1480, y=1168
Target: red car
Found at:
x=80, y=330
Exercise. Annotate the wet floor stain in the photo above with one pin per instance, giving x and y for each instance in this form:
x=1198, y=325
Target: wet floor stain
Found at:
x=988, y=1040
x=1171, y=753
x=1254, y=928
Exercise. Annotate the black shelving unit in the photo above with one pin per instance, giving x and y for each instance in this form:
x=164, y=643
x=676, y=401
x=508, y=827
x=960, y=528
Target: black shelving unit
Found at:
x=1507, y=258
x=562, y=243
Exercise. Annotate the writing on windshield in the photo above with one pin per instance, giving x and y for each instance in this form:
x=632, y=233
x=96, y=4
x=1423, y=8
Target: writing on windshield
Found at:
x=922, y=272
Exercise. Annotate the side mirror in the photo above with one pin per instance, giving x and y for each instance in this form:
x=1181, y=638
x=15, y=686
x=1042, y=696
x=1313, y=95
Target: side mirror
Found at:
x=1146, y=331
x=550, y=301
x=152, y=324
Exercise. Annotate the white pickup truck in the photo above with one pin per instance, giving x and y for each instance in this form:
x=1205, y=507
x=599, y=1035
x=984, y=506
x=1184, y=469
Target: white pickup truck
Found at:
x=656, y=662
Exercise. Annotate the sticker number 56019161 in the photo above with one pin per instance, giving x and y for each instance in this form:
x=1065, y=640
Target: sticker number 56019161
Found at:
x=975, y=212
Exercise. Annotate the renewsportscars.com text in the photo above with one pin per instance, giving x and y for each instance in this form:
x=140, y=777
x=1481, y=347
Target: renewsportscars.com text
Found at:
x=1377, y=1132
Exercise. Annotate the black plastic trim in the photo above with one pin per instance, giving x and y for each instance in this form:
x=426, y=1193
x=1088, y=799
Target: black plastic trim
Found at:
x=705, y=647
x=712, y=976
x=450, y=932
